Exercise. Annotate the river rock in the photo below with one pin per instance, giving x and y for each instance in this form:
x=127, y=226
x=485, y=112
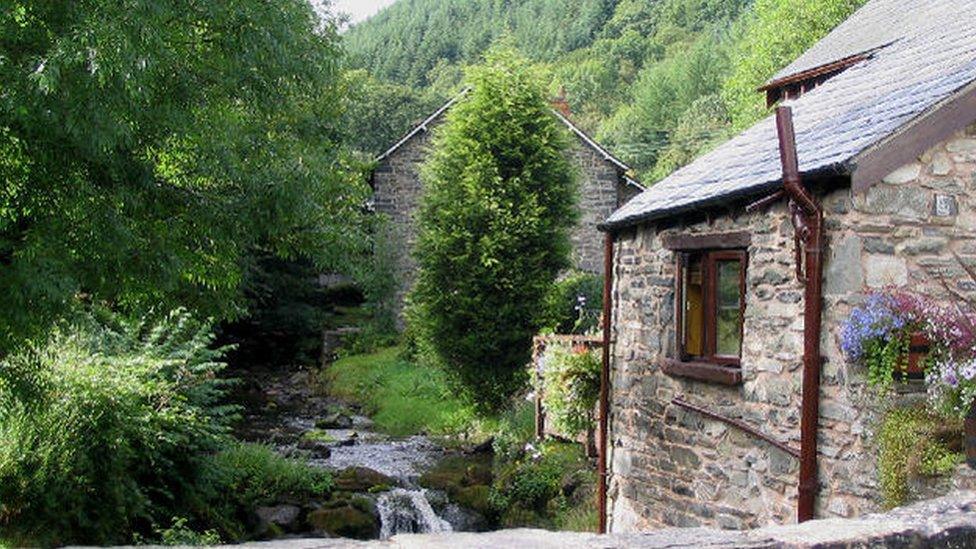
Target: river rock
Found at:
x=354, y=517
x=362, y=479
x=337, y=420
x=456, y=472
x=272, y=521
x=485, y=447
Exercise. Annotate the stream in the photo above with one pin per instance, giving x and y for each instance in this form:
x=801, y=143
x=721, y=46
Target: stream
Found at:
x=288, y=413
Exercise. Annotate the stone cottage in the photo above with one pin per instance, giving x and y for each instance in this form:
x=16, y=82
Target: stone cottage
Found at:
x=721, y=391
x=605, y=185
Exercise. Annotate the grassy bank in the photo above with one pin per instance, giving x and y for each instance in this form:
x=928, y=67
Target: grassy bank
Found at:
x=403, y=398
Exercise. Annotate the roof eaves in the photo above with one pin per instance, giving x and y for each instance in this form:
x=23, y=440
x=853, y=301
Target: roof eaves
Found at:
x=594, y=145
x=827, y=68
x=634, y=183
x=715, y=201
x=422, y=127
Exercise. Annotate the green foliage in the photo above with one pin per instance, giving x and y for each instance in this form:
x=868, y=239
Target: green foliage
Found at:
x=579, y=518
x=379, y=112
x=700, y=128
x=570, y=388
x=884, y=357
x=180, y=534
x=574, y=304
x=772, y=35
x=401, y=397
x=913, y=442
x=115, y=412
x=253, y=475
x=379, y=287
x=460, y=31
x=163, y=141
x=288, y=309
x=663, y=92
x=493, y=229
x=542, y=487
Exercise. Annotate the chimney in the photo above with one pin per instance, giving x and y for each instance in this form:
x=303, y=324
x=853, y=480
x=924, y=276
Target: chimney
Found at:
x=560, y=104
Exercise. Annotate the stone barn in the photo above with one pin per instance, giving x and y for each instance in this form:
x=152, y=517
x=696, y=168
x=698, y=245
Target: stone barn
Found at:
x=605, y=185
x=726, y=407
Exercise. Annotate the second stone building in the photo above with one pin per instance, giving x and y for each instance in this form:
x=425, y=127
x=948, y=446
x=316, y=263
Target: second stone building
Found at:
x=605, y=184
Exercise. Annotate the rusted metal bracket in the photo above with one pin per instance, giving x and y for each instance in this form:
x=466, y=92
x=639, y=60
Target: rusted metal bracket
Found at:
x=744, y=427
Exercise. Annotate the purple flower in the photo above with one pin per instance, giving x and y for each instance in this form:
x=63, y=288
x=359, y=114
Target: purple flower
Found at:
x=968, y=371
x=949, y=375
x=875, y=320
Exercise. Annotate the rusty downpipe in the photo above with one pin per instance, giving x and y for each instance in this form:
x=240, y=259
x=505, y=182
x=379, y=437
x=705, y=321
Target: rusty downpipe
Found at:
x=601, y=466
x=807, y=217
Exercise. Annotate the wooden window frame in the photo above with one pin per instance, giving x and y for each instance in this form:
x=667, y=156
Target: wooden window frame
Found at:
x=710, y=259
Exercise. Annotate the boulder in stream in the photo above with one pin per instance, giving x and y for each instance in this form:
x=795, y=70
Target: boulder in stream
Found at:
x=361, y=479
x=338, y=420
x=348, y=517
x=273, y=521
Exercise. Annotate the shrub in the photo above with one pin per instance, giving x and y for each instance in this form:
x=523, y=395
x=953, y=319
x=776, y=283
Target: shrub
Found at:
x=913, y=442
x=574, y=304
x=493, y=229
x=539, y=487
x=514, y=428
x=254, y=475
x=179, y=534
x=570, y=388
x=105, y=429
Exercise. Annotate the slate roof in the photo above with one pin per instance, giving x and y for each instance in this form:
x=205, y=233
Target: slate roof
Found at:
x=929, y=57
x=573, y=128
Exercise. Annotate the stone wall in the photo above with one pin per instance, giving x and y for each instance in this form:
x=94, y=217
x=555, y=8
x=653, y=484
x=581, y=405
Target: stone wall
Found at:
x=396, y=195
x=674, y=467
x=397, y=190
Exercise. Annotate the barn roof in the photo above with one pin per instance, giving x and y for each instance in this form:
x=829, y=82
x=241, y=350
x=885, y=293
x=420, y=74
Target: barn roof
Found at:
x=573, y=128
x=922, y=56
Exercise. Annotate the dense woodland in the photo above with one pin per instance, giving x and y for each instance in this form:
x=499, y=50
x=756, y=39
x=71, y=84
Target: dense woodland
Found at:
x=658, y=81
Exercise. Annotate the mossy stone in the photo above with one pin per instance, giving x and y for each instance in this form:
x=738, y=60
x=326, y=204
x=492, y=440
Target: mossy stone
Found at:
x=347, y=521
x=361, y=479
x=477, y=498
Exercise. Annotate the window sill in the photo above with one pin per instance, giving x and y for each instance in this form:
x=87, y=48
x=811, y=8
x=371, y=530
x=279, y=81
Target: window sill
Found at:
x=702, y=371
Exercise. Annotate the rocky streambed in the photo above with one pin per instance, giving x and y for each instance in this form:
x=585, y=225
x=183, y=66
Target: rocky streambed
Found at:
x=384, y=485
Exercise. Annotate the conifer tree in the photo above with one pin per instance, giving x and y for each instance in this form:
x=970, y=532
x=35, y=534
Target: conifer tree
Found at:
x=499, y=201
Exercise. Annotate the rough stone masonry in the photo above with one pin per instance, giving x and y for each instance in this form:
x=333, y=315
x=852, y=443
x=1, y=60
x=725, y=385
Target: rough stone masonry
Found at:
x=673, y=467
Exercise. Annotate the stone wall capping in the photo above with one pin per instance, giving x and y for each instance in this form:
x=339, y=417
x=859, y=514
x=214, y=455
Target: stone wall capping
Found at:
x=949, y=521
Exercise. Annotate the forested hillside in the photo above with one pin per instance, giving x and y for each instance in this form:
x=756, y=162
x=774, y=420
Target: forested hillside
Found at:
x=659, y=81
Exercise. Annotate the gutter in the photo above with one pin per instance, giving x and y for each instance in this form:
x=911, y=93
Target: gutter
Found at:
x=601, y=466
x=807, y=217
x=721, y=202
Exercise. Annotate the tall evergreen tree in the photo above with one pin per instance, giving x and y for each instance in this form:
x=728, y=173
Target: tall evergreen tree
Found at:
x=499, y=201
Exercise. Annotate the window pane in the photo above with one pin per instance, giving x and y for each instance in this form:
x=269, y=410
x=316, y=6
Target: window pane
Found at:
x=694, y=310
x=728, y=299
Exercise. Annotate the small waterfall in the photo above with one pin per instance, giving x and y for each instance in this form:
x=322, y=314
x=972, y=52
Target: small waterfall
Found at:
x=408, y=512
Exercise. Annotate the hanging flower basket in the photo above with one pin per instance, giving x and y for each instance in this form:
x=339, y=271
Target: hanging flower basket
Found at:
x=919, y=346
x=886, y=335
